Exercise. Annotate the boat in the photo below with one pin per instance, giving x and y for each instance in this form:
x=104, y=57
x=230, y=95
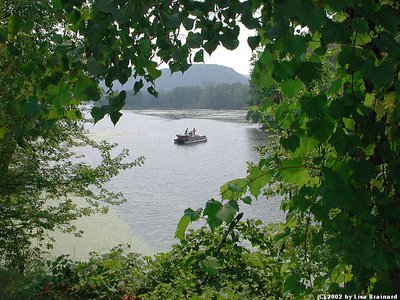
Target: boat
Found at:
x=189, y=139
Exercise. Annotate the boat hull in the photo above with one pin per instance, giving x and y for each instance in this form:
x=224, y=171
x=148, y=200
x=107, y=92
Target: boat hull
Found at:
x=186, y=139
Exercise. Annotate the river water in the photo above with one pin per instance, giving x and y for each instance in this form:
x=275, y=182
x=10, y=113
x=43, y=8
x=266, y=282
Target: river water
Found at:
x=176, y=177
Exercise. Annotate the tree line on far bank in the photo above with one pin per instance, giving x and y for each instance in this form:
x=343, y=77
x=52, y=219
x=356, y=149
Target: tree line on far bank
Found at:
x=209, y=96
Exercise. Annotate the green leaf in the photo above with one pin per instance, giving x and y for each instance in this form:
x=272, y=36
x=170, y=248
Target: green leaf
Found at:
x=292, y=285
x=308, y=72
x=98, y=113
x=320, y=129
x=193, y=214
x=361, y=172
x=227, y=212
x=85, y=89
x=247, y=18
x=257, y=180
x=181, y=228
x=282, y=70
x=333, y=32
x=3, y=34
x=188, y=23
x=211, y=265
x=320, y=51
x=194, y=40
x=31, y=107
x=152, y=91
x=137, y=86
x=122, y=76
x=335, y=86
x=199, y=56
x=15, y=24
x=267, y=58
x=253, y=41
x=73, y=114
x=61, y=93
x=115, y=116
x=117, y=102
x=344, y=143
x=154, y=73
x=379, y=75
x=229, y=43
x=295, y=44
x=294, y=171
x=123, y=16
x=247, y=200
x=349, y=123
x=172, y=21
x=3, y=131
x=106, y=6
x=211, y=209
x=388, y=16
x=292, y=88
x=389, y=44
x=211, y=45
x=188, y=262
x=74, y=16
x=360, y=25
x=234, y=189
x=307, y=145
x=95, y=68
x=291, y=143
x=174, y=66
x=145, y=50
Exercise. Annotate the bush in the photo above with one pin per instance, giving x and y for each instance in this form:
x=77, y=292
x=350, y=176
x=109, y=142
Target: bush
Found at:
x=247, y=261
x=114, y=275
x=217, y=265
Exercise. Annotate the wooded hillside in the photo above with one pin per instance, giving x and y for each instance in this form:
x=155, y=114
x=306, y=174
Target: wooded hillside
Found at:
x=211, y=95
x=196, y=75
x=201, y=86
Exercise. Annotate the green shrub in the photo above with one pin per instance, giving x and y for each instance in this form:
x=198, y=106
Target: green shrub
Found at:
x=247, y=261
x=211, y=265
x=113, y=275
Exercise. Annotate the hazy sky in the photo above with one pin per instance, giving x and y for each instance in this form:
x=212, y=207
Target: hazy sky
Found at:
x=239, y=59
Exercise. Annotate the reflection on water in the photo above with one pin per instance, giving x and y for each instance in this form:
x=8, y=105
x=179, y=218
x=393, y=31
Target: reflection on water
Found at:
x=175, y=177
x=101, y=234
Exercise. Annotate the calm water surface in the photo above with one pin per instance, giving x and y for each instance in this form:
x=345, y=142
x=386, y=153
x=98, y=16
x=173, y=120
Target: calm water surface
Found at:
x=175, y=177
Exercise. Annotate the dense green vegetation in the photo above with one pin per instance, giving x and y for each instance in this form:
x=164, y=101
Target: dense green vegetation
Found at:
x=335, y=157
x=210, y=96
x=187, y=271
x=40, y=130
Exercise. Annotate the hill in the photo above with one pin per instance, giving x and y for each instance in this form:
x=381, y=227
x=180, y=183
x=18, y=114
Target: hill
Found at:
x=202, y=86
x=210, y=96
x=197, y=75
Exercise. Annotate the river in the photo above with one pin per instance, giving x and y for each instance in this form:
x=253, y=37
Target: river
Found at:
x=176, y=177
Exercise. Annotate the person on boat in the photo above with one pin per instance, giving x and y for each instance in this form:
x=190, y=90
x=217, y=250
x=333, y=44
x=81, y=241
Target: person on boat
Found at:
x=186, y=131
x=194, y=131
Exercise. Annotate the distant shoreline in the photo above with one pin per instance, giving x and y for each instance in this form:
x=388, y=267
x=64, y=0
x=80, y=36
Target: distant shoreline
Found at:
x=186, y=109
x=226, y=115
